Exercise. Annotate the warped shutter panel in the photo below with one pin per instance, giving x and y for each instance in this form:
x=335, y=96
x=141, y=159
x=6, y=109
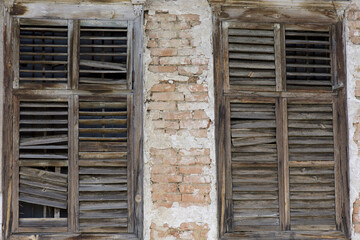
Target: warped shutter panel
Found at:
x=308, y=58
x=103, y=54
x=43, y=161
x=103, y=165
x=252, y=57
x=43, y=57
x=311, y=155
x=254, y=166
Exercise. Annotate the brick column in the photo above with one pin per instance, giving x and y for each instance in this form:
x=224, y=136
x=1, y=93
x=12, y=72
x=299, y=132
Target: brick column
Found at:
x=180, y=172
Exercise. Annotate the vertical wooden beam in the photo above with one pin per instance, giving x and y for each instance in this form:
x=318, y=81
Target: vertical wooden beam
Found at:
x=130, y=166
x=220, y=113
x=337, y=159
x=130, y=54
x=15, y=177
x=283, y=162
x=343, y=180
x=7, y=121
x=16, y=53
x=280, y=58
x=73, y=167
x=138, y=122
x=73, y=53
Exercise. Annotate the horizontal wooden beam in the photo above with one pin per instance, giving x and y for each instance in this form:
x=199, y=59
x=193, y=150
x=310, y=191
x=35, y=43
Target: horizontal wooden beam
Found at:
x=281, y=11
x=69, y=10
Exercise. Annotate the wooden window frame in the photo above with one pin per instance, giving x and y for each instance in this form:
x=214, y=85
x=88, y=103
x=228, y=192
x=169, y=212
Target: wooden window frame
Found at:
x=225, y=14
x=72, y=12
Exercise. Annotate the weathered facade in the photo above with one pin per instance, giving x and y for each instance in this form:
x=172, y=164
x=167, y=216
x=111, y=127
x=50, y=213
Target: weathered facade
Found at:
x=180, y=184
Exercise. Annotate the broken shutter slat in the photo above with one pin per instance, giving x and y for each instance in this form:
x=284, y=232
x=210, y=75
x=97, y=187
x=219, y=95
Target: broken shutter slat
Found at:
x=43, y=161
x=103, y=55
x=103, y=188
x=254, y=166
x=43, y=54
x=308, y=58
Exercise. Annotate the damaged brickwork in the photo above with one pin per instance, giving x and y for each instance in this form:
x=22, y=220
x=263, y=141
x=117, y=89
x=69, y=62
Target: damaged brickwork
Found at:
x=179, y=115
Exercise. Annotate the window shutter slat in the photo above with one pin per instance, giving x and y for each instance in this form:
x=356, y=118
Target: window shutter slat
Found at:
x=43, y=54
x=311, y=155
x=254, y=167
x=103, y=56
x=43, y=144
x=251, y=57
x=308, y=58
x=103, y=158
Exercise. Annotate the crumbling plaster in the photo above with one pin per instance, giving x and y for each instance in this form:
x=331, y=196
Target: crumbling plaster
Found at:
x=353, y=107
x=203, y=40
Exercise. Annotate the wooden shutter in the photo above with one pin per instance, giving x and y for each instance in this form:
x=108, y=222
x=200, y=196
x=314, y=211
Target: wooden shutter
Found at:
x=254, y=166
x=42, y=156
x=104, y=54
x=251, y=56
x=43, y=57
x=103, y=162
x=281, y=163
x=308, y=58
x=312, y=176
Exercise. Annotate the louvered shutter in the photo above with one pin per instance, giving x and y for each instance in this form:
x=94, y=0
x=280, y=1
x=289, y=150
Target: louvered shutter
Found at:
x=103, y=54
x=103, y=162
x=43, y=57
x=43, y=161
x=251, y=56
x=254, y=166
x=311, y=156
x=281, y=131
x=75, y=169
x=308, y=58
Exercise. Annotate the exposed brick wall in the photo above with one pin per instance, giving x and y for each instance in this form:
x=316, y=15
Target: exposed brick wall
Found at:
x=178, y=175
x=185, y=231
x=182, y=173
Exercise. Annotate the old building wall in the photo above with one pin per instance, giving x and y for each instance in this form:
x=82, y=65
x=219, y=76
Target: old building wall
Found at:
x=179, y=146
x=352, y=27
x=180, y=173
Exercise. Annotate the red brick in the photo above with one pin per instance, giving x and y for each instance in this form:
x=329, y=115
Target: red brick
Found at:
x=185, y=160
x=196, y=98
x=164, y=52
x=172, y=187
x=162, y=106
x=163, y=169
x=152, y=44
x=188, y=17
x=194, y=124
x=175, y=43
x=197, y=88
x=162, y=69
x=161, y=17
x=191, y=170
x=168, y=96
x=166, y=197
x=166, y=178
x=174, y=61
x=195, y=198
x=190, y=188
x=162, y=34
x=199, y=133
x=190, y=70
x=194, y=152
x=175, y=25
x=203, y=160
x=176, y=115
x=197, y=179
x=201, y=114
x=166, y=124
x=163, y=88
